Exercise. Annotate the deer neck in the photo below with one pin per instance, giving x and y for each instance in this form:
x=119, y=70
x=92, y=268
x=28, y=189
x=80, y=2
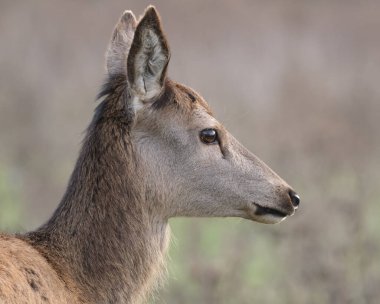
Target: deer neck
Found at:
x=103, y=236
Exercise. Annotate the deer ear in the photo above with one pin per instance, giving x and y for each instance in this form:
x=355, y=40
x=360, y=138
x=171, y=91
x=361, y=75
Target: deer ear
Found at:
x=121, y=40
x=148, y=57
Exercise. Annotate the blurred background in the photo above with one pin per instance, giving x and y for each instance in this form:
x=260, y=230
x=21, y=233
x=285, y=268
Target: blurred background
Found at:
x=297, y=82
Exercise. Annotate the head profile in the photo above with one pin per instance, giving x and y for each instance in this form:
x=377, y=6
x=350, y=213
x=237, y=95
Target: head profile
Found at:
x=192, y=165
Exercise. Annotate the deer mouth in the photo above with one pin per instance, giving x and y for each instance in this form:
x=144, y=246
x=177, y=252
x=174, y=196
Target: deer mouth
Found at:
x=260, y=210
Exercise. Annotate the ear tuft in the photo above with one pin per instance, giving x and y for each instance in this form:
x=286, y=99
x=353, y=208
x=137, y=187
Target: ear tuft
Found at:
x=128, y=17
x=151, y=14
x=121, y=40
x=148, y=57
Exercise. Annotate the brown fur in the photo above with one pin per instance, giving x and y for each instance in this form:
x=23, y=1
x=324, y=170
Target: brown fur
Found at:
x=107, y=239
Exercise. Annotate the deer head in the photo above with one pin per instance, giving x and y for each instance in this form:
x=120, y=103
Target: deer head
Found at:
x=186, y=162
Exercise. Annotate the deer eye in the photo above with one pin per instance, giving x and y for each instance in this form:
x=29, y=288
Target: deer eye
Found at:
x=209, y=136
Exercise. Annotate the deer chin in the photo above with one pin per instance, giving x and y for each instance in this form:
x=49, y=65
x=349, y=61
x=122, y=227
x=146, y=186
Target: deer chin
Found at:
x=267, y=215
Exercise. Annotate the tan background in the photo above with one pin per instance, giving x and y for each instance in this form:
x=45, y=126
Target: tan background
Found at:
x=296, y=81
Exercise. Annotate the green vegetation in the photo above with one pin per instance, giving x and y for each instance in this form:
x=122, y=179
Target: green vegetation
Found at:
x=10, y=208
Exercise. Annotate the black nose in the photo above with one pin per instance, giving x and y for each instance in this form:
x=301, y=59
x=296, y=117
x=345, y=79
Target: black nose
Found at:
x=295, y=198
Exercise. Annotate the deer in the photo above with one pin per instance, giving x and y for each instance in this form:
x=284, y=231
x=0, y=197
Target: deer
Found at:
x=152, y=151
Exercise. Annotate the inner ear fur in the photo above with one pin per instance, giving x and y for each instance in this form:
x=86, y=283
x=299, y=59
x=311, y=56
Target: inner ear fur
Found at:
x=148, y=57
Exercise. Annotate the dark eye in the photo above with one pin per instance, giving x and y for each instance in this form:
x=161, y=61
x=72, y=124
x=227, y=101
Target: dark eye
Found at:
x=209, y=136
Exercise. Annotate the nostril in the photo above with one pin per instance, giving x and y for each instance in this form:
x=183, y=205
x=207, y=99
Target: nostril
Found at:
x=295, y=198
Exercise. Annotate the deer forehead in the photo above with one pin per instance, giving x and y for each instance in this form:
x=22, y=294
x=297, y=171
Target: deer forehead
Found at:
x=178, y=106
